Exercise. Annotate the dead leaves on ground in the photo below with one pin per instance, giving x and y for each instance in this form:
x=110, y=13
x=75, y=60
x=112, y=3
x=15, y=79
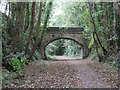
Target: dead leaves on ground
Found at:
x=48, y=75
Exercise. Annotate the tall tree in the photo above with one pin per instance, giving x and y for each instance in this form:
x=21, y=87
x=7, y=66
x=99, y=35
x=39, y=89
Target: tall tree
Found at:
x=27, y=16
x=95, y=30
x=46, y=20
x=96, y=45
x=37, y=32
x=31, y=26
x=20, y=6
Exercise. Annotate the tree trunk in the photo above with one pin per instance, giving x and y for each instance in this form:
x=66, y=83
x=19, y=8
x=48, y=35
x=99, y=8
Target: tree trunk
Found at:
x=45, y=22
x=37, y=32
x=31, y=26
x=27, y=16
x=96, y=45
x=95, y=31
x=19, y=24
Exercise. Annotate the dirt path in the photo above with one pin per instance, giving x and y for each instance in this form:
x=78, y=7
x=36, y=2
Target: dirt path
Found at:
x=89, y=76
x=66, y=72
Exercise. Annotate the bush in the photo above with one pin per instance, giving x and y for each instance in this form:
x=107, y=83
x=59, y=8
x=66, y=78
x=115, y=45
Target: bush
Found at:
x=17, y=64
x=13, y=68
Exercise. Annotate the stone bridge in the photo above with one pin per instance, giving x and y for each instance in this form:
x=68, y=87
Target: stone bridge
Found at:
x=71, y=33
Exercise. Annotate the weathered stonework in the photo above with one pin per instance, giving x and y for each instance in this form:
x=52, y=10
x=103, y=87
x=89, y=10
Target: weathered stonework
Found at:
x=72, y=33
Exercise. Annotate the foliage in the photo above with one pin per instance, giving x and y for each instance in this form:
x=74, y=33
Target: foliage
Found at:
x=15, y=62
x=114, y=62
x=18, y=63
x=65, y=46
x=8, y=76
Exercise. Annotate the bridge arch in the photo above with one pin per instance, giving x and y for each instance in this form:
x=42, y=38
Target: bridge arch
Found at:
x=55, y=33
x=63, y=38
x=59, y=39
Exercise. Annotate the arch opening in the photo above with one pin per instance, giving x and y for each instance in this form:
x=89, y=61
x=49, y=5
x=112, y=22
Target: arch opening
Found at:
x=63, y=47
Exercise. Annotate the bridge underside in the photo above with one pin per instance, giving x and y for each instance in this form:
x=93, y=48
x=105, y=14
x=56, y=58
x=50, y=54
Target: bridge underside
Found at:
x=72, y=33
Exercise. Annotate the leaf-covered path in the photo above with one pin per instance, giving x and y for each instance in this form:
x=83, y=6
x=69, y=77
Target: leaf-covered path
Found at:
x=66, y=72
